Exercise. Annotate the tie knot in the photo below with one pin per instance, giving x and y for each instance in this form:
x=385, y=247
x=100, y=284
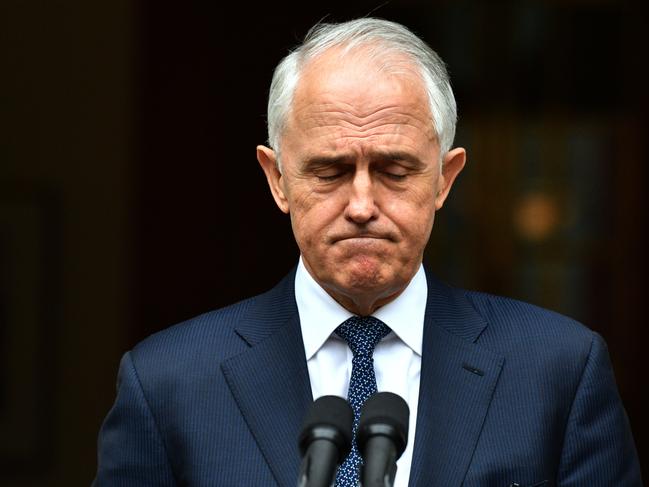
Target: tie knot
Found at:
x=362, y=333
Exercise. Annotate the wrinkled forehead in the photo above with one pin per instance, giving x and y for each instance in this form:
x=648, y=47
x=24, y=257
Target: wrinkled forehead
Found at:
x=360, y=81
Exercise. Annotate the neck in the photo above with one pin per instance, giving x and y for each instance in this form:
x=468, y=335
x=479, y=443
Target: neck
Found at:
x=362, y=304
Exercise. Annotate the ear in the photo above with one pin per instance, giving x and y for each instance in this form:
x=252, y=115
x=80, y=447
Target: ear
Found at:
x=452, y=164
x=268, y=162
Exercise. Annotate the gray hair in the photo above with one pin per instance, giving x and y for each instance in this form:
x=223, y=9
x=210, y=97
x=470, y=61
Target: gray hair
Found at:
x=385, y=38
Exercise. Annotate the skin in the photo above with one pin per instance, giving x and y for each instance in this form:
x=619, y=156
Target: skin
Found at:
x=360, y=177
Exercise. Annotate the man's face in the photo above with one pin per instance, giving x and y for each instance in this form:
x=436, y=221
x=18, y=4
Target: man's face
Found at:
x=360, y=178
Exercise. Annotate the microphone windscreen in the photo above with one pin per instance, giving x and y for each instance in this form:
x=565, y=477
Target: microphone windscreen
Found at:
x=328, y=412
x=384, y=413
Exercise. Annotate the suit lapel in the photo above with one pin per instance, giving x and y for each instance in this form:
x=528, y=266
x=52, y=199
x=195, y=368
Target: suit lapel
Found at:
x=458, y=379
x=270, y=381
x=270, y=384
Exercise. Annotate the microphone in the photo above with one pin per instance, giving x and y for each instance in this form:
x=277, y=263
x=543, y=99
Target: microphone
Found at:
x=382, y=437
x=325, y=440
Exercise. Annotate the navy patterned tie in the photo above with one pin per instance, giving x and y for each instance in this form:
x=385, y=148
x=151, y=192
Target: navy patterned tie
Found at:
x=362, y=333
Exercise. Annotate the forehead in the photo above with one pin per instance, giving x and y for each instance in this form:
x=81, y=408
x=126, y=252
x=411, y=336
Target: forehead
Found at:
x=358, y=90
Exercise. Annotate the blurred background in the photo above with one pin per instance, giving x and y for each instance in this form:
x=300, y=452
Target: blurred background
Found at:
x=130, y=197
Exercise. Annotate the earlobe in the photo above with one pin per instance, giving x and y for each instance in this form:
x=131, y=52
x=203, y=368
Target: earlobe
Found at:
x=268, y=162
x=452, y=164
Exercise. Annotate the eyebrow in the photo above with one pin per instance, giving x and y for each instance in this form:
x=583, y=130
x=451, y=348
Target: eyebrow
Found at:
x=399, y=156
x=314, y=162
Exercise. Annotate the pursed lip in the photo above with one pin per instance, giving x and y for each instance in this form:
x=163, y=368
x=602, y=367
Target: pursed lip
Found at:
x=361, y=236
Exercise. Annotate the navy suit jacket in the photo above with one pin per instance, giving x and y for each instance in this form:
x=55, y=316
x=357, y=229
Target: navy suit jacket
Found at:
x=510, y=393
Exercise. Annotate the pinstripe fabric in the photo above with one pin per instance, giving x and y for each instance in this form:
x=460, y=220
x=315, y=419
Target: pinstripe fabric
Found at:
x=146, y=461
x=509, y=393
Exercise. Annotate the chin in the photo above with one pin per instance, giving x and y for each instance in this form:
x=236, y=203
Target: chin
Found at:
x=368, y=277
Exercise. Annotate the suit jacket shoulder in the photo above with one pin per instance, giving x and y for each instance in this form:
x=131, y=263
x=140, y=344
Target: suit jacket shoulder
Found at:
x=194, y=400
x=525, y=396
x=202, y=343
x=516, y=324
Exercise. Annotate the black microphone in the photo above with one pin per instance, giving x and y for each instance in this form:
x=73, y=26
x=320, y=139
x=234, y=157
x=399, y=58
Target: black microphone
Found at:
x=382, y=437
x=325, y=440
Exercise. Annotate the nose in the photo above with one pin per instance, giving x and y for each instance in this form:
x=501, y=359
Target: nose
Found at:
x=361, y=207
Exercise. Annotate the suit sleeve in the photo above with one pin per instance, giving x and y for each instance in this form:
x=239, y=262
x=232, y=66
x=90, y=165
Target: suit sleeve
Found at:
x=598, y=446
x=131, y=451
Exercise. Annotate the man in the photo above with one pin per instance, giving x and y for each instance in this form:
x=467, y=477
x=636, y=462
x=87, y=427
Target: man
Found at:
x=361, y=122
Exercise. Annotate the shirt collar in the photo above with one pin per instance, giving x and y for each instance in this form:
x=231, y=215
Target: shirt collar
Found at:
x=320, y=314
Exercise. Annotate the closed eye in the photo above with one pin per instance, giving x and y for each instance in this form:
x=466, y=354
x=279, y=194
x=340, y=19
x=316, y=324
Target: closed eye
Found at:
x=392, y=170
x=329, y=171
x=394, y=176
x=329, y=177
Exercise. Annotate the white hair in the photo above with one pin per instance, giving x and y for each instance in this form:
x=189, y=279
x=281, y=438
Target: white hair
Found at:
x=384, y=39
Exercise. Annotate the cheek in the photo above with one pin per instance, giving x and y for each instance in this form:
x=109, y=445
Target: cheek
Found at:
x=311, y=217
x=412, y=211
x=410, y=205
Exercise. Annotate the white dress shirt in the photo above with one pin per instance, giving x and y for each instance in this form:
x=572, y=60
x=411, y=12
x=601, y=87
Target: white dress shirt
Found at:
x=397, y=358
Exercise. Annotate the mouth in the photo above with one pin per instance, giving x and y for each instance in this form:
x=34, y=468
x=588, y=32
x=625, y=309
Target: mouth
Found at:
x=361, y=237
